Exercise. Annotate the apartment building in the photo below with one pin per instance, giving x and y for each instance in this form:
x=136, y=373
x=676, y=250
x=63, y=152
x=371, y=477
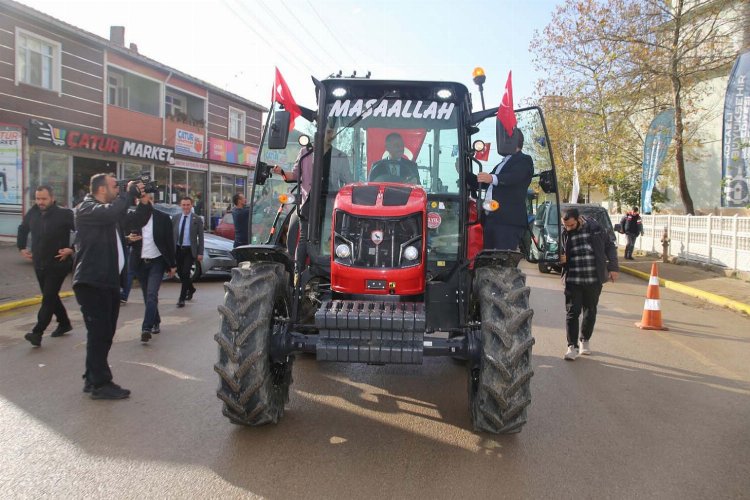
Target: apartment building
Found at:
x=73, y=104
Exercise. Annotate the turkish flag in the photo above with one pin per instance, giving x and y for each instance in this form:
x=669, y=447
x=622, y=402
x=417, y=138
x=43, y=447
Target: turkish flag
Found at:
x=484, y=154
x=283, y=96
x=413, y=140
x=505, y=112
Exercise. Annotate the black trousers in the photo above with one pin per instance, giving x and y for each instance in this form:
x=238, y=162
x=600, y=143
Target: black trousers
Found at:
x=185, y=262
x=581, y=299
x=100, y=308
x=501, y=236
x=630, y=245
x=50, y=280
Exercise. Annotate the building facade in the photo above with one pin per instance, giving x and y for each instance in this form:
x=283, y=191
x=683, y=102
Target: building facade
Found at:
x=73, y=104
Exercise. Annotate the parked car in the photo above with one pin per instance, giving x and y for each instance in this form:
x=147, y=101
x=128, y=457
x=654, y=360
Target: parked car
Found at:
x=217, y=251
x=546, y=232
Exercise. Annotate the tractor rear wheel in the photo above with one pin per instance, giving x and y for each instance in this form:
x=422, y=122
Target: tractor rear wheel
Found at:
x=256, y=306
x=499, y=383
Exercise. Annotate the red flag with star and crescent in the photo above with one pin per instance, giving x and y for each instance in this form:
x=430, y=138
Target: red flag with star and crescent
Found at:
x=505, y=112
x=283, y=96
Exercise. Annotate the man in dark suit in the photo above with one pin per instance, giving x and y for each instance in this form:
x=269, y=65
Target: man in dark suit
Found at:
x=152, y=253
x=505, y=218
x=397, y=168
x=188, y=235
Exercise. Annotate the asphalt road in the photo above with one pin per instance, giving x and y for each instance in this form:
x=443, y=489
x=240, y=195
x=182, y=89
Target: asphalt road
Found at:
x=648, y=415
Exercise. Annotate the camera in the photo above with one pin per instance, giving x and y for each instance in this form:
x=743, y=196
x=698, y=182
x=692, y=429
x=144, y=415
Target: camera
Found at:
x=150, y=185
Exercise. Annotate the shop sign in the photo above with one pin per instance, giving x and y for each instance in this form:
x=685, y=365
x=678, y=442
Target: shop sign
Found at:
x=231, y=152
x=188, y=143
x=46, y=134
x=190, y=164
x=11, y=166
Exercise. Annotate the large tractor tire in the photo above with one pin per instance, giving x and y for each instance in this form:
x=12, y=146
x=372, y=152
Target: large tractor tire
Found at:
x=252, y=386
x=499, y=384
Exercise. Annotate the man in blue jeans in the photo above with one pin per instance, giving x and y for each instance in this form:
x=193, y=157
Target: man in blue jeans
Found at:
x=152, y=253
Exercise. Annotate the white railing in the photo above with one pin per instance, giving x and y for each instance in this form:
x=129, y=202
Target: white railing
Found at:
x=712, y=239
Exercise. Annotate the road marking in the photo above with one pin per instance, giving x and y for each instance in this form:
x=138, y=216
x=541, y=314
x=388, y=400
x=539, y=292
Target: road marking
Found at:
x=164, y=369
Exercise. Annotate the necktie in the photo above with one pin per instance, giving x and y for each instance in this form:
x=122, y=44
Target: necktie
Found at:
x=182, y=230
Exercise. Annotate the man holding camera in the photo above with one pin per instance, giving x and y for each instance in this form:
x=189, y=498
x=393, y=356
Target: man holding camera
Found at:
x=100, y=259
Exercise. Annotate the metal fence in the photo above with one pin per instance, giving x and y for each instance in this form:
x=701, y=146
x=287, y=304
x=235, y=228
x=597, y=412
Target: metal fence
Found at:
x=712, y=239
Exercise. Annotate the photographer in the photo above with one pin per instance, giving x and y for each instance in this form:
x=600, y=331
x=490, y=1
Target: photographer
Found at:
x=100, y=259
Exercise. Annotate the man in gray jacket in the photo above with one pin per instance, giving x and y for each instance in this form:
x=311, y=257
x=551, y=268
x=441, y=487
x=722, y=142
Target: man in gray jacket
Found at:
x=589, y=260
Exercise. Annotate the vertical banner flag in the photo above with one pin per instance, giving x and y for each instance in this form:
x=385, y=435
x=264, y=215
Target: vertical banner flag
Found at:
x=283, y=96
x=735, y=145
x=654, y=152
x=576, y=187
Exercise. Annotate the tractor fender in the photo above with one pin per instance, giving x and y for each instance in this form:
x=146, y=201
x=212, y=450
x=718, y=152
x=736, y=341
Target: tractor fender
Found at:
x=497, y=258
x=264, y=253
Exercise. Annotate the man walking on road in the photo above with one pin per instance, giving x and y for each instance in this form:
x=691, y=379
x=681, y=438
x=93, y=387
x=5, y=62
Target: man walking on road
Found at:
x=96, y=281
x=188, y=233
x=589, y=260
x=51, y=252
x=152, y=253
x=632, y=225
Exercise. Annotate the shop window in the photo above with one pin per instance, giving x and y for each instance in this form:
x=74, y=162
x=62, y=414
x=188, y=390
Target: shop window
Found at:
x=161, y=176
x=50, y=169
x=128, y=90
x=236, y=124
x=37, y=61
x=197, y=190
x=179, y=185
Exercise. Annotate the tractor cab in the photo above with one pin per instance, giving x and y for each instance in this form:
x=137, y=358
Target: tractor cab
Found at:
x=384, y=261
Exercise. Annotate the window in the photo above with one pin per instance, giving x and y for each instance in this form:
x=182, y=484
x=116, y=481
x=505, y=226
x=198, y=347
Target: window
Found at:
x=117, y=92
x=236, y=124
x=133, y=92
x=174, y=105
x=37, y=61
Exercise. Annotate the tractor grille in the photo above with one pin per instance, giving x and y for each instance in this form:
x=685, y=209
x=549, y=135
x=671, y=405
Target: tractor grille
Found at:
x=378, y=242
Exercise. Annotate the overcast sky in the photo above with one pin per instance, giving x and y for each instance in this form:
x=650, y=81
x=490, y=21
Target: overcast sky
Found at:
x=235, y=44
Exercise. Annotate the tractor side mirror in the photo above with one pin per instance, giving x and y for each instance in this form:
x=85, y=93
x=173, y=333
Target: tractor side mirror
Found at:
x=278, y=132
x=547, y=181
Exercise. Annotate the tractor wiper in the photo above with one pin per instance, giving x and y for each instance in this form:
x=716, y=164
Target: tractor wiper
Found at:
x=360, y=116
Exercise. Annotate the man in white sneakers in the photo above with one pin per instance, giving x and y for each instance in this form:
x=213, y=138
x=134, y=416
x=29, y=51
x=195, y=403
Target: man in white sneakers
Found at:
x=589, y=260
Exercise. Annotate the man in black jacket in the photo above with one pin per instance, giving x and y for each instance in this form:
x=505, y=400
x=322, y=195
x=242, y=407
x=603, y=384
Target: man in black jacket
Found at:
x=241, y=217
x=100, y=259
x=51, y=252
x=153, y=253
x=505, y=215
x=632, y=225
x=589, y=260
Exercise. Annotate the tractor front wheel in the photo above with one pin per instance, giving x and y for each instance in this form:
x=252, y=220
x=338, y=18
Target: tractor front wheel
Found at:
x=256, y=306
x=499, y=383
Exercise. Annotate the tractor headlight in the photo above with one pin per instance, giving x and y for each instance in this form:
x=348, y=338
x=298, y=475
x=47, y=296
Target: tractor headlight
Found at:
x=411, y=253
x=343, y=251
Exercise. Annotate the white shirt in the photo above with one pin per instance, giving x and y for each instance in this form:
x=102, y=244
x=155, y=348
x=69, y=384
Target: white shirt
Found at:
x=488, y=194
x=149, y=250
x=120, y=253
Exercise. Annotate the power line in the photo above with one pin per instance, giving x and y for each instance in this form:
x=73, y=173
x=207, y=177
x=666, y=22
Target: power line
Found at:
x=335, y=38
x=312, y=37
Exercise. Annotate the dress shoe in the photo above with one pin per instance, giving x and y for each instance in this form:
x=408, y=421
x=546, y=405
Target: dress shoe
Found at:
x=87, y=386
x=181, y=303
x=61, y=330
x=156, y=329
x=34, y=338
x=145, y=336
x=190, y=294
x=109, y=390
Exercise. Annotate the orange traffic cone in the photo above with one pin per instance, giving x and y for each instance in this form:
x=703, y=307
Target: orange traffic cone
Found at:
x=651, y=319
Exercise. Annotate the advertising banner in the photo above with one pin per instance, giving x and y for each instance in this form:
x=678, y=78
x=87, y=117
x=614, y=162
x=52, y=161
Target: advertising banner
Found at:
x=735, y=157
x=11, y=168
x=188, y=143
x=654, y=152
x=231, y=152
x=46, y=134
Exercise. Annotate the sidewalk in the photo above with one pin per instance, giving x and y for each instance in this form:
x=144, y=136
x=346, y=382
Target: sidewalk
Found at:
x=692, y=280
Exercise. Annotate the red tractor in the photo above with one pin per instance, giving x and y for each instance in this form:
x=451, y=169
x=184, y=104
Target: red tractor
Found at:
x=387, y=266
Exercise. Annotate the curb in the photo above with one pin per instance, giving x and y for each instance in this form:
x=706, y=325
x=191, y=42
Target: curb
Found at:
x=693, y=292
x=28, y=302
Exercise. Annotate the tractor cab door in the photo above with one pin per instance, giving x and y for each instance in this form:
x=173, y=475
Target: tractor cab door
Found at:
x=538, y=245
